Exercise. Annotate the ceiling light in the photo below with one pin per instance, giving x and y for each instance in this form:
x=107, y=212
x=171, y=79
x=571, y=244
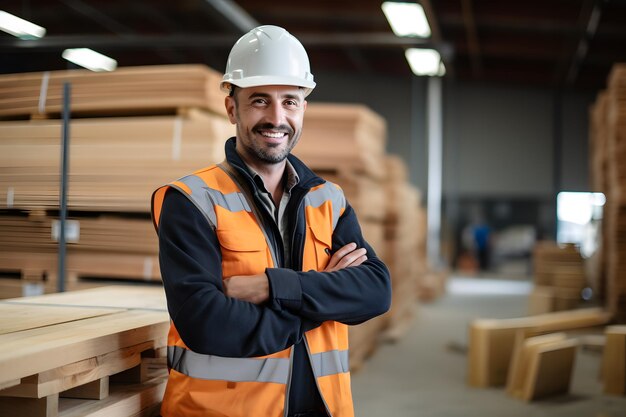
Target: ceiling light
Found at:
x=406, y=19
x=21, y=28
x=425, y=62
x=90, y=59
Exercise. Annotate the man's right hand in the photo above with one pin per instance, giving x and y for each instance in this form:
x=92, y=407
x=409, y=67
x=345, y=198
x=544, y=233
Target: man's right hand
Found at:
x=347, y=256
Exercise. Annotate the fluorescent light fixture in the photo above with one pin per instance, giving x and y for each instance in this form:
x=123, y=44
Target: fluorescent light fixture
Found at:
x=21, y=28
x=406, y=19
x=425, y=62
x=90, y=59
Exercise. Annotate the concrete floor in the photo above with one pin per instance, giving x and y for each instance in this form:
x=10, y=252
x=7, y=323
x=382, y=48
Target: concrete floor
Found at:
x=424, y=373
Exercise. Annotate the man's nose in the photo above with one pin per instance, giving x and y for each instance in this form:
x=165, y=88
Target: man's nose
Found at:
x=275, y=114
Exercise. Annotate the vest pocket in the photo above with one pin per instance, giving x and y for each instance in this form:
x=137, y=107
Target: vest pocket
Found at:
x=243, y=252
x=322, y=243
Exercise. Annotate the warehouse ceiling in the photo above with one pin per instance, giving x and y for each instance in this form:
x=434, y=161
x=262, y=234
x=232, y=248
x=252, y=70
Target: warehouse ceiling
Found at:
x=542, y=43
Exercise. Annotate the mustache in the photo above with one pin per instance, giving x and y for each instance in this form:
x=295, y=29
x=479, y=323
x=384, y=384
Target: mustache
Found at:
x=269, y=126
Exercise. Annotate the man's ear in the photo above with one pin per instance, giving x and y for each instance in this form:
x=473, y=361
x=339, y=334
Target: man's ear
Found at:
x=229, y=103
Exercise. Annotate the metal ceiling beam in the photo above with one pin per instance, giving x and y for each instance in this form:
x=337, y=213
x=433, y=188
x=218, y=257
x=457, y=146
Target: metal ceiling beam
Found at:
x=310, y=40
x=583, y=44
x=234, y=14
x=472, y=37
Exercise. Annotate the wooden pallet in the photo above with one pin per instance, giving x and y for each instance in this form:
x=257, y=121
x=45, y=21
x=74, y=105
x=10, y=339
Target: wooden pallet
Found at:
x=88, y=345
x=82, y=266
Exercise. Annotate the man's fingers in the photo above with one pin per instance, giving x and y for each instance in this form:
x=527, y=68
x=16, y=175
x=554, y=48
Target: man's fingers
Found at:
x=351, y=257
x=337, y=256
x=345, y=257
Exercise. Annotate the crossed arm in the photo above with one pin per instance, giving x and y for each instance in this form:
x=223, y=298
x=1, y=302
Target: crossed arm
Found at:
x=256, y=288
x=286, y=303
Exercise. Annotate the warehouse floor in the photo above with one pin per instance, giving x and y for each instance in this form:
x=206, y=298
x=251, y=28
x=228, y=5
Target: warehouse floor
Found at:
x=424, y=373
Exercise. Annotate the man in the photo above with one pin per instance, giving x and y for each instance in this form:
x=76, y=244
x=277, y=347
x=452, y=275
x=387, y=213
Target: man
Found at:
x=263, y=262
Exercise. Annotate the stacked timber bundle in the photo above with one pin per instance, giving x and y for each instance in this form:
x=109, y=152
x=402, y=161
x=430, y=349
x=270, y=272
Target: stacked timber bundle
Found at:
x=130, y=90
x=153, y=124
x=598, y=160
x=85, y=353
x=608, y=173
x=559, y=275
x=345, y=144
x=404, y=240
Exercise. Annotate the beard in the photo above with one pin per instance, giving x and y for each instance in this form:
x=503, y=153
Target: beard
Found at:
x=270, y=153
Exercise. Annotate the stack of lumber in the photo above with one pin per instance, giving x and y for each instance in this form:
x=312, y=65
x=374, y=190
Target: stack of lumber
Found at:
x=343, y=137
x=405, y=236
x=614, y=360
x=614, y=218
x=115, y=163
x=173, y=123
x=541, y=366
x=87, y=353
x=607, y=137
x=559, y=277
x=598, y=141
x=130, y=90
x=345, y=144
x=492, y=341
x=598, y=167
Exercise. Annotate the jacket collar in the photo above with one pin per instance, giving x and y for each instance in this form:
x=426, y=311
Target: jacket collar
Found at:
x=307, y=177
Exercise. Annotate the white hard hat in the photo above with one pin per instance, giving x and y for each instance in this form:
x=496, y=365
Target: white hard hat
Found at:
x=268, y=55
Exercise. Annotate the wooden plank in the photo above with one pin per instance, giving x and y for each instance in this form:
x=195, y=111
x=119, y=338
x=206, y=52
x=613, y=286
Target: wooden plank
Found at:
x=492, y=341
x=110, y=296
x=550, y=370
x=614, y=361
x=15, y=318
x=33, y=351
x=80, y=373
x=519, y=369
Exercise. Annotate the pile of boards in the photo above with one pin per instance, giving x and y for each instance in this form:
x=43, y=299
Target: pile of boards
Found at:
x=137, y=128
x=559, y=277
x=532, y=356
x=131, y=131
x=345, y=144
x=93, y=352
x=608, y=172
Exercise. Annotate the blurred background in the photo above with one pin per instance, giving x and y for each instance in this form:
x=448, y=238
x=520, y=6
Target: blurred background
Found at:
x=490, y=182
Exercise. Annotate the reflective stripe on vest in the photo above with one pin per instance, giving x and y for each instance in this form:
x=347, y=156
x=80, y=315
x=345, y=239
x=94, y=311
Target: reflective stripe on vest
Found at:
x=275, y=370
x=328, y=192
x=213, y=367
x=206, y=198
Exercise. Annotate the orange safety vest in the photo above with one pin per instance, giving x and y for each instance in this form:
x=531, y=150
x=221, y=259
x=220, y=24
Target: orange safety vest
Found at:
x=209, y=385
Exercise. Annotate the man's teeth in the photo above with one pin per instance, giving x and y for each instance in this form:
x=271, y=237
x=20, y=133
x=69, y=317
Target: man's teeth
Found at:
x=273, y=135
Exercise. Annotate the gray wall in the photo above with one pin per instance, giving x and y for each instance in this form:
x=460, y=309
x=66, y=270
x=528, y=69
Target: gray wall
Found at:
x=498, y=140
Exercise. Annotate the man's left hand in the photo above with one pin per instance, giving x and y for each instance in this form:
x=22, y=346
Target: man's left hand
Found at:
x=252, y=288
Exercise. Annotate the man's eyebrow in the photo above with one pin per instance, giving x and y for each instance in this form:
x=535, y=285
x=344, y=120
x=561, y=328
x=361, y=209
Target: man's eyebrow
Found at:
x=265, y=95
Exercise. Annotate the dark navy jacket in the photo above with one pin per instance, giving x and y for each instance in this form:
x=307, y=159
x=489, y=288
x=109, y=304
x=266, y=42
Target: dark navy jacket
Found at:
x=190, y=261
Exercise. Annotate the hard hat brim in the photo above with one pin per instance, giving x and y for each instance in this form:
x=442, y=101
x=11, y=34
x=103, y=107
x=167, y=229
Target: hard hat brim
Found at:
x=260, y=80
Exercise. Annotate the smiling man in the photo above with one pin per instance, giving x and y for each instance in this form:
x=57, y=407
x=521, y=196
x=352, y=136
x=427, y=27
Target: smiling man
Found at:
x=263, y=262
